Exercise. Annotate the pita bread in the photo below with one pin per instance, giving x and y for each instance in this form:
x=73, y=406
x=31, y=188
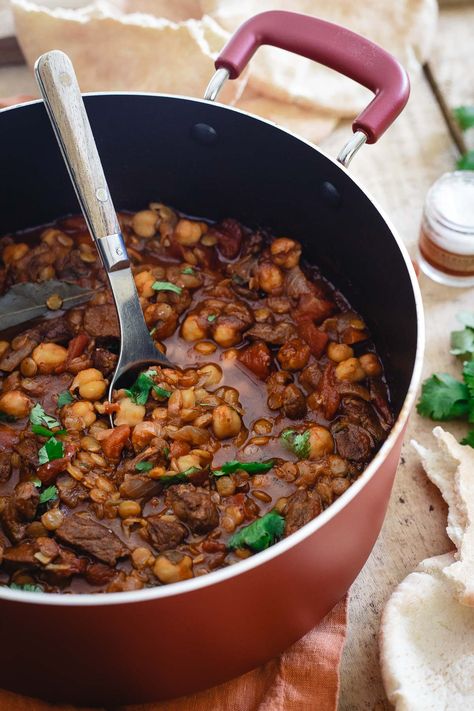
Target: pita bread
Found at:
x=451, y=468
x=427, y=643
x=310, y=124
x=405, y=28
x=114, y=51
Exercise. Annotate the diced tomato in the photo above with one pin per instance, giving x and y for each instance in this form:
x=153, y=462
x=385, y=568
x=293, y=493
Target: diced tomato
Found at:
x=257, y=358
x=316, y=339
x=77, y=346
x=313, y=308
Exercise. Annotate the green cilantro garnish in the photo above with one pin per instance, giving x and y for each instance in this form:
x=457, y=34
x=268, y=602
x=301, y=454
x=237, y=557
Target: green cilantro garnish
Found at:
x=466, y=161
x=37, y=482
x=153, y=331
x=53, y=449
x=443, y=398
x=65, y=398
x=28, y=587
x=464, y=116
x=143, y=466
x=297, y=442
x=169, y=479
x=140, y=390
x=250, y=467
x=166, y=452
x=469, y=438
x=260, y=534
x=187, y=270
x=166, y=286
x=39, y=417
x=211, y=318
x=49, y=494
x=45, y=432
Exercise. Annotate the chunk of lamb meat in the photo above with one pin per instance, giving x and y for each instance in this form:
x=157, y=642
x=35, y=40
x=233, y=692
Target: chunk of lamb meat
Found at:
x=41, y=551
x=70, y=491
x=163, y=532
x=353, y=442
x=297, y=284
x=229, y=234
x=19, y=508
x=101, y=321
x=193, y=505
x=302, y=507
x=362, y=413
x=82, y=532
x=293, y=402
x=8, y=439
x=257, y=358
x=274, y=334
x=104, y=360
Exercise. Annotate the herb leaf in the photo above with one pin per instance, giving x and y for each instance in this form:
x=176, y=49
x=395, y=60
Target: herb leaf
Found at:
x=297, y=442
x=140, y=390
x=250, y=467
x=169, y=479
x=187, y=270
x=469, y=438
x=143, y=466
x=49, y=494
x=464, y=116
x=53, y=449
x=39, y=417
x=260, y=534
x=28, y=587
x=65, y=398
x=211, y=318
x=466, y=162
x=462, y=342
x=443, y=398
x=45, y=432
x=166, y=286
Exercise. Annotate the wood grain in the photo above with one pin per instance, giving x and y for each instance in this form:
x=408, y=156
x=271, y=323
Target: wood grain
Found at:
x=62, y=96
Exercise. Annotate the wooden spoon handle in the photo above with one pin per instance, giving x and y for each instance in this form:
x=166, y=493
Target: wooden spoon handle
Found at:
x=62, y=97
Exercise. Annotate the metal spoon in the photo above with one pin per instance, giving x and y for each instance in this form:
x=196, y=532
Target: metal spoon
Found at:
x=62, y=97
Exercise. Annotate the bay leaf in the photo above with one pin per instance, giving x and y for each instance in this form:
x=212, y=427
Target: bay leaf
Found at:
x=26, y=301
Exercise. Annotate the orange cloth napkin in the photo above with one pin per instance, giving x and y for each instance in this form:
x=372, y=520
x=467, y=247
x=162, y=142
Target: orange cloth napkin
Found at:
x=304, y=678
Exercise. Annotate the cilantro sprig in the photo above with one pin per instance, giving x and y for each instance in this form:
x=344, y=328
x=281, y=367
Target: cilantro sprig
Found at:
x=166, y=286
x=51, y=450
x=260, y=534
x=65, y=398
x=297, y=442
x=27, y=587
x=444, y=397
x=39, y=417
x=140, y=390
x=249, y=467
x=48, y=494
x=47, y=426
x=169, y=479
x=465, y=118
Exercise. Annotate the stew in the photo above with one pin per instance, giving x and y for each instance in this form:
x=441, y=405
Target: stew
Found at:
x=279, y=405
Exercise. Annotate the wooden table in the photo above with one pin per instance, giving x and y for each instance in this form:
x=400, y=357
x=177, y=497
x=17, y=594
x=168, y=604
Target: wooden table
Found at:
x=397, y=172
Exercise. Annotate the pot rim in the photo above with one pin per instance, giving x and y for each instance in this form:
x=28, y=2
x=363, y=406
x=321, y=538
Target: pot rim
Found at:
x=283, y=546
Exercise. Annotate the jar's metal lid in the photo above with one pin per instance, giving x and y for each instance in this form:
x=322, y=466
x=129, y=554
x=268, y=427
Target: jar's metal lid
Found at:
x=450, y=200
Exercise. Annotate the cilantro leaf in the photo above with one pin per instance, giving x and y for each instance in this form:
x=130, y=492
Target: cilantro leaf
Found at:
x=28, y=587
x=169, y=479
x=260, y=534
x=45, y=432
x=37, y=482
x=211, y=318
x=297, y=442
x=39, y=417
x=187, y=270
x=464, y=116
x=49, y=494
x=250, y=467
x=443, y=398
x=462, y=342
x=65, y=398
x=166, y=286
x=53, y=449
x=466, y=318
x=140, y=389
x=468, y=376
x=466, y=161
x=469, y=438
x=143, y=466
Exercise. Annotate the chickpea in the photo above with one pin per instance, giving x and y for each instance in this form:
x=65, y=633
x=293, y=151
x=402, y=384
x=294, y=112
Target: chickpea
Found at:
x=370, y=364
x=285, y=252
x=262, y=426
x=231, y=354
x=129, y=413
x=226, y=422
x=28, y=367
x=79, y=415
x=14, y=252
x=52, y=519
x=15, y=403
x=294, y=354
x=188, y=233
x=187, y=461
x=320, y=442
x=226, y=335
x=350, y=370
x=4, y=346
x=211, y=374
x=144, y=282
x=142, y=558
x=49, y=356
x=129, y=509
x=270, y=277
x=91, y=384
x=205, y=348
x=144, y=223
x=225, y=485
x=168, y=571
x=191, y=330
x=339, y=352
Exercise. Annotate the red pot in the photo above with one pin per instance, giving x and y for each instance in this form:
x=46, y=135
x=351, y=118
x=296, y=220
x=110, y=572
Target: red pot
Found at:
x=211, y=160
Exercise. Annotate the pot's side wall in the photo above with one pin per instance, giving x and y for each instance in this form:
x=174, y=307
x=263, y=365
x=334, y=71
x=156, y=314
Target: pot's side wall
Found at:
x=177, y=645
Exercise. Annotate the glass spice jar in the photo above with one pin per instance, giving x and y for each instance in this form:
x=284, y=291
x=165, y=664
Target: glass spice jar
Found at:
x=446, y=245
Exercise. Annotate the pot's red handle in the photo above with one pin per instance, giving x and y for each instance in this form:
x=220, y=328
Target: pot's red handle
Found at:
x=337, y=48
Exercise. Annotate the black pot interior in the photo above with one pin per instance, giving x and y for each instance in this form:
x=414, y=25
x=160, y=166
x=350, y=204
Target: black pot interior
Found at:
x=207, y=160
